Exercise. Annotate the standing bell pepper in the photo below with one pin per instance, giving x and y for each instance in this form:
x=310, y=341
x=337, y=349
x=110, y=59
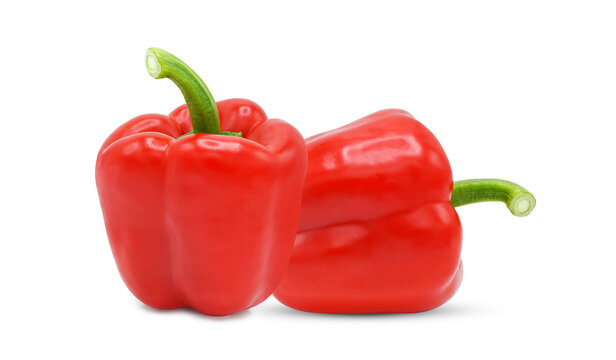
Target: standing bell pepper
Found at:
x=378, y=231
x=206, y=220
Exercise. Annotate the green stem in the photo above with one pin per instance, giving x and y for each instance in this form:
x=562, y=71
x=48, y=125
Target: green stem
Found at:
x=519, y=200
x=201, y=105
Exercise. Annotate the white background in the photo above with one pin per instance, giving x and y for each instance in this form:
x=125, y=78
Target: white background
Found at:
x=519, y=90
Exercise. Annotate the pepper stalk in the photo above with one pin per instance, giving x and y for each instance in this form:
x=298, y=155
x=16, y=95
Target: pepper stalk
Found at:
x=201, y=105
x=519, y=200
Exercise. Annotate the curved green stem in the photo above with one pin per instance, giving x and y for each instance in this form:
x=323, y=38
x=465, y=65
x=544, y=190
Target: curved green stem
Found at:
x=201, y=105
x=519, y=200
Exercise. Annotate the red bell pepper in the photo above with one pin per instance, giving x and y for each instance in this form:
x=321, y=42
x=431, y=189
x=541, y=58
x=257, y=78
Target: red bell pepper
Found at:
x=378, y=232
x=208, y=220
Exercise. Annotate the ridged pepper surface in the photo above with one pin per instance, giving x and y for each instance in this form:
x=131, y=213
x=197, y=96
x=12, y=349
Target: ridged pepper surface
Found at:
x=206, y=220
x=378, y=231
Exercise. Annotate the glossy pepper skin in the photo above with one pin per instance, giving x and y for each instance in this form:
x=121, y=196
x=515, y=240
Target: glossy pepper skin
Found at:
x=205, y=221
x=201, y=206
x=378, y=231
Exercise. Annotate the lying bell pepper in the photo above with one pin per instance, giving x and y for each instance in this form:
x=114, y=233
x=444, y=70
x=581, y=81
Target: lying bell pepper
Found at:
x=378, y=231
x=201, y=206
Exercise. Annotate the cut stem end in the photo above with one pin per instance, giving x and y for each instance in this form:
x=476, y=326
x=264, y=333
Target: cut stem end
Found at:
x=522, y=204
x=152, y=64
